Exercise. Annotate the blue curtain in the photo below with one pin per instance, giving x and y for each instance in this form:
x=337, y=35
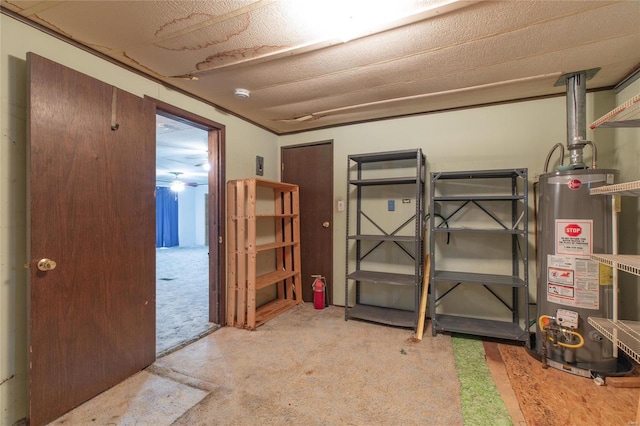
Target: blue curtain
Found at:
x=166, y=218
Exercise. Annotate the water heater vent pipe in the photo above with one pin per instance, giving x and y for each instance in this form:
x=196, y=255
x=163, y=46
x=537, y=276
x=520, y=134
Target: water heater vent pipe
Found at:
x=576, y=83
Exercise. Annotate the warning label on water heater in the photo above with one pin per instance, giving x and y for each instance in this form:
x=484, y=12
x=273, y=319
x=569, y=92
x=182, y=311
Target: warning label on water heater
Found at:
x=574, y=237
x=573, y=281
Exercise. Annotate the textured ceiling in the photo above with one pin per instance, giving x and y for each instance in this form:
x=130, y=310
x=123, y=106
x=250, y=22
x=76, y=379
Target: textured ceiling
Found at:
x=181, y=153
x=306, y=70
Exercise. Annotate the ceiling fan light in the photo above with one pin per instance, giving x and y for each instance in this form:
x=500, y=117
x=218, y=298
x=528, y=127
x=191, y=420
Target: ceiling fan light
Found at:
x=177, y=186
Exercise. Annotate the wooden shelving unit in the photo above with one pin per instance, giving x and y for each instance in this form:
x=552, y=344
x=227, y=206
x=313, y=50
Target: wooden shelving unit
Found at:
x=263, y=219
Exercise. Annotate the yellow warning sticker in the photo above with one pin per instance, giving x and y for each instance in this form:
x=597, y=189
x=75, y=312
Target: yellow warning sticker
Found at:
x=606, y=274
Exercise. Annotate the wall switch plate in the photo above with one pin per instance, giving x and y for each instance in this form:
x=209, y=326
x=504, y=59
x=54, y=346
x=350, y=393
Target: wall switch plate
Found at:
x=259, y=165
x=340, y=205
x=391, y=205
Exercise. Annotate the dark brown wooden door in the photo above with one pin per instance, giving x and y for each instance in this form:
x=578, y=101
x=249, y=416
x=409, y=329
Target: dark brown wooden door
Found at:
x=92, y=211
x=311, y=168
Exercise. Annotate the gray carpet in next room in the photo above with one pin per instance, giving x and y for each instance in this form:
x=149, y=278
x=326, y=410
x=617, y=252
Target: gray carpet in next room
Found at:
x=182, y=300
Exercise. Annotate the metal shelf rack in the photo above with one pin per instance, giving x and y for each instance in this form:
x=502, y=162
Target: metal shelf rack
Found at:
x=503, y=211
x=626, y=115
x=624, y=334
x=372, y=178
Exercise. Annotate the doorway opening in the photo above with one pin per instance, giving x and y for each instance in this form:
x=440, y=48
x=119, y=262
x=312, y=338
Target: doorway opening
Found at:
x=182, y=239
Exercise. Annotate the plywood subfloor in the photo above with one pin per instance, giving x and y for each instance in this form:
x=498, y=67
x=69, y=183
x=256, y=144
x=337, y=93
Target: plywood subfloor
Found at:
x=551, y=397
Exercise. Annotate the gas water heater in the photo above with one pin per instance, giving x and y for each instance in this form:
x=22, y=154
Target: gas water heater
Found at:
x=571, y=225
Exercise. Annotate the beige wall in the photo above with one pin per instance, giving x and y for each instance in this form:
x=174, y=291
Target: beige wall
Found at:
x=504, y=136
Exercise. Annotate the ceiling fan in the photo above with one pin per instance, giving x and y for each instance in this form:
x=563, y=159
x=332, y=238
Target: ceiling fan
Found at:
x=205, y=165
x=201, y=160
x=178, y=185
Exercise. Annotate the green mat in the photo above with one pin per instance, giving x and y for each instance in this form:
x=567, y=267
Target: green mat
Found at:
x=480, y=400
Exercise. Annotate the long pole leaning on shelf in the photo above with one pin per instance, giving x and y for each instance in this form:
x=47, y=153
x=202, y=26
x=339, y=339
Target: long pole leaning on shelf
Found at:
x=423, y=299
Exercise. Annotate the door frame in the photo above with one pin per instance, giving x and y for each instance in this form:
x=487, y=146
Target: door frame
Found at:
x=217, y=207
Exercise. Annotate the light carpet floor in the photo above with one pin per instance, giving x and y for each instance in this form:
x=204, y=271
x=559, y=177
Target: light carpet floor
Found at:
x=182, y=296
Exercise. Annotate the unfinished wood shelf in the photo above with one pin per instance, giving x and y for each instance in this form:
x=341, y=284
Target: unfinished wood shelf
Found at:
x=263, y=250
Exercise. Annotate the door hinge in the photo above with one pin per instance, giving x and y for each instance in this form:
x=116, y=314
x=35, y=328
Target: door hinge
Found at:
x=219, y=240
x=282, y=167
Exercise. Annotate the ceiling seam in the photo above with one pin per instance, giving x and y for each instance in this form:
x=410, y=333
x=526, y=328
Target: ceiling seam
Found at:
x=459, y=71
x=417, y=54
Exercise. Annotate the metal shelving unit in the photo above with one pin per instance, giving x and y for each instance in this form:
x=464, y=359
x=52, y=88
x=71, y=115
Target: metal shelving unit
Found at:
x=626, y=115
x=402, y=172
x=622, y=262
x=503, y=211
x=624, y=334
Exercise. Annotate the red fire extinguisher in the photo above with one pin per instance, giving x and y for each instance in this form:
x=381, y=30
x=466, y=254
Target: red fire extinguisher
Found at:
x=319, y=286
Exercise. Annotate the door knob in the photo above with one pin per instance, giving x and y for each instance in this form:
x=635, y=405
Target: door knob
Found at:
x=325, y=225
x=46, y=264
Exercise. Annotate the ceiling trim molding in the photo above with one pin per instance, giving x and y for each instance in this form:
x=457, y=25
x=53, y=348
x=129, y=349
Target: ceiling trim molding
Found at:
x=333, y=111
x=629, y=79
